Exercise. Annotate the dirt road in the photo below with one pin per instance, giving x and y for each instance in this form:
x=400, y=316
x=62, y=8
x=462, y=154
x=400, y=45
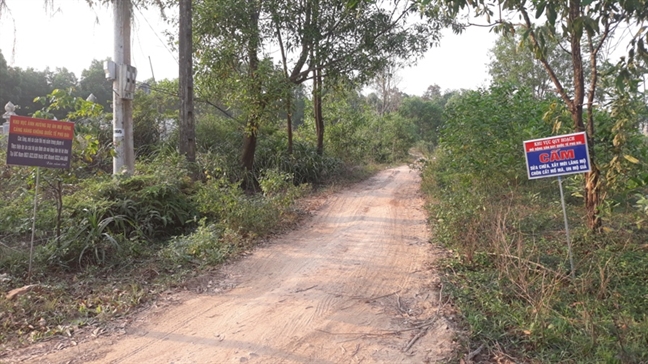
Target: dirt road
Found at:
x=354, y=284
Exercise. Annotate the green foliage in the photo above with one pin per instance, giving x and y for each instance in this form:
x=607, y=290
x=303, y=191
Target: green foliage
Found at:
x=155, y=114
x=304, y=164
x=93, y=82
x=427, y=115
x=274, y=182
x=394, y=136
x=21, y=87
x=484, y=130
x=92, y=240
x=622, y=148
x=226, y=203
x=347, y=115
x=509, y=274
x=62, y=100
x=515, y=64
x=356, y=133
x=209, y=244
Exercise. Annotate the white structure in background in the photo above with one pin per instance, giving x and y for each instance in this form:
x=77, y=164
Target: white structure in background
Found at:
x=10, y=109
x=166, y=127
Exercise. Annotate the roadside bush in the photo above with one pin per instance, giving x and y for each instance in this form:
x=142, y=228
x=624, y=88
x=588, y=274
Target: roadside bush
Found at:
x=305, y=165
x=106, y=215
x=226, y=203
x=94, y=238
x=209, y=244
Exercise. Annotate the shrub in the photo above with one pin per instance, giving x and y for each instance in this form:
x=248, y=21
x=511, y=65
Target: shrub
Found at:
x=209, y=244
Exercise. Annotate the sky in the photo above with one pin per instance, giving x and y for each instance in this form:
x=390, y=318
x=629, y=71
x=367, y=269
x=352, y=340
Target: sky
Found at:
x=72, y=35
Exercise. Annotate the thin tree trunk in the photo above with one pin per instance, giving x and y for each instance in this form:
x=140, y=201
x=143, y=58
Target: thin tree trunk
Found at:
x=592, y=183
x=250, y=183
x=284, y=61
x=317, y=106
x=289, y=128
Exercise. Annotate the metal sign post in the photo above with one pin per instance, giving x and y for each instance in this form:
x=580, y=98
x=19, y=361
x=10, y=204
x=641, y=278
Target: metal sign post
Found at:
x=555, y=157
x=569, y=246
x=33, y=235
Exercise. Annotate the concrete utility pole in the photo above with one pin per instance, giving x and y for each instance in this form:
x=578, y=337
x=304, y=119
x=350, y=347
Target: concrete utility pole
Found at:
x=123, y=91
x=187, y=142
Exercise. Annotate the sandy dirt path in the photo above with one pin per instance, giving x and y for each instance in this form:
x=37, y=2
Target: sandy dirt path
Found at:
x=354, y=284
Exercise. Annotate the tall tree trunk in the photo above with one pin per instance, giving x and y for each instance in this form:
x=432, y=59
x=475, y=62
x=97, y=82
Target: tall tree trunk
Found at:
x=250, y=183
x=284, y=61
x=592, y=178
x=187, y=141
x=289, y=128
x=317, y=108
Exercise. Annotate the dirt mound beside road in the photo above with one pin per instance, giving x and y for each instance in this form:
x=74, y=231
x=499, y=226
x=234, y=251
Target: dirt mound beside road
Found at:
x=353, y=284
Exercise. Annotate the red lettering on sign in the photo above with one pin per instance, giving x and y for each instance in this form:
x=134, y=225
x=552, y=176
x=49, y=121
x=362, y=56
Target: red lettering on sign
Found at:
x=556, y=155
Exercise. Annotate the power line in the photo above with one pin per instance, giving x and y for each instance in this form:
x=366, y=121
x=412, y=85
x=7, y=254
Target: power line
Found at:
x=156, y=34
x=201, y=100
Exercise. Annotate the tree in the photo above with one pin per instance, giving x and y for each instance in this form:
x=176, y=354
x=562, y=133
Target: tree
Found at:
x=432, y=92
x=426, y=114
x=27, y=85
x=519, y=66
x=155, y=115
x=386, y=84
x=93, y=81
x=61, y=79
x=584, y=27
x=322, y=39
x=5, y=89
x=233, y=69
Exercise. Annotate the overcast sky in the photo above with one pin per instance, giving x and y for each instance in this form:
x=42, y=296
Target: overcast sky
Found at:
x=73, y=35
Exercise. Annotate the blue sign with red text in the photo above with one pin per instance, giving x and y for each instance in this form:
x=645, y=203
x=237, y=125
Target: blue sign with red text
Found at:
x=557, y=156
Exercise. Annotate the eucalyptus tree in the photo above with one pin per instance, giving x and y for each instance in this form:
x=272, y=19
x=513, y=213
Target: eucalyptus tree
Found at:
x=385, y=83
x=513, y=63
x=585, y=27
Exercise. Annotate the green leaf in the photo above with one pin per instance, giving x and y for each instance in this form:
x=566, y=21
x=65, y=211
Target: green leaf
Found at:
x=551, y=14
x=540, y=9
